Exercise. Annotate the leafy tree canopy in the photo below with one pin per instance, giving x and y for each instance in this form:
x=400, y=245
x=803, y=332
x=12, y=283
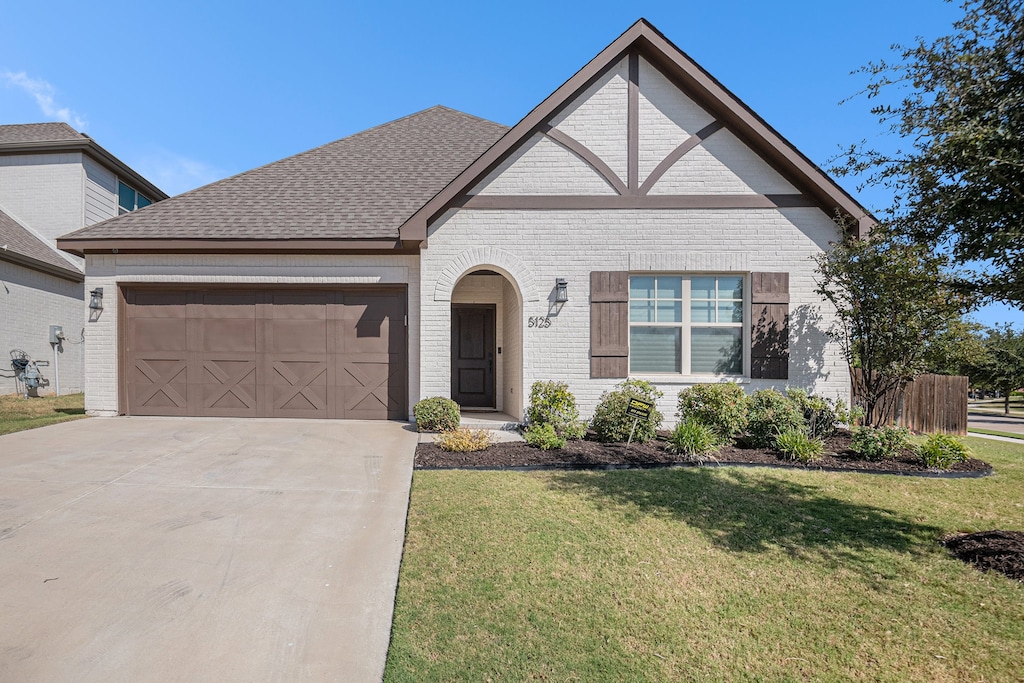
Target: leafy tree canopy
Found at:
x=957, y=103
x=1001, y=363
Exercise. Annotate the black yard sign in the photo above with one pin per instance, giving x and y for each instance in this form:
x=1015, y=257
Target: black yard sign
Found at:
x=639, y=409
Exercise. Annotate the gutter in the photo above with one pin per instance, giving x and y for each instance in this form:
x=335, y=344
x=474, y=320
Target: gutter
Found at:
x=87, y=146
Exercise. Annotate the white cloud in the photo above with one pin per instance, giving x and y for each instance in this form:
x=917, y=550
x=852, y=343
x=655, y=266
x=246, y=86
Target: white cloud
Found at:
x=43, y=93
x=174, y=173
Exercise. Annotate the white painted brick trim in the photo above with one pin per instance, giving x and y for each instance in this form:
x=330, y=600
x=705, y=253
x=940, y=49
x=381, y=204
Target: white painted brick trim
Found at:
x=485, y=257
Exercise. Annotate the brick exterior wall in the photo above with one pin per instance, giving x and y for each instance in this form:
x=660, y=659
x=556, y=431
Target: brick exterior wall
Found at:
x=532, y=248
x=52, y=194
x=45, y=191
x=31, y=301
x=112, y=270
x=529, y=249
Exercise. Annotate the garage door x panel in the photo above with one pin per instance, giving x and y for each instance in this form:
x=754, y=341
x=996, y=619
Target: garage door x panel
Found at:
x=270, y=353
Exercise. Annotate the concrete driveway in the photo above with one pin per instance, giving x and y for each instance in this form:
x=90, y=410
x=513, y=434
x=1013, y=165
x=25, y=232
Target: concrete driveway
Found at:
x=188, y=549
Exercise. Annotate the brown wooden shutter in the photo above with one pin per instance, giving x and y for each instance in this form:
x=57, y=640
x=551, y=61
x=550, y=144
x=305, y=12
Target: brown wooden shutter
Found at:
x=609, y=324
x=769, y=334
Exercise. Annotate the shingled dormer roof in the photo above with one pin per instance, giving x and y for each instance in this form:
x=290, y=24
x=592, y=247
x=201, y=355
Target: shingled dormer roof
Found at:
x=359, y=189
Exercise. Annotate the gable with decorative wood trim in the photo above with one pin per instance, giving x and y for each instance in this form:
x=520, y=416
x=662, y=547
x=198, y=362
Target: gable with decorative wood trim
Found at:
x=633, y=140
x=641, y=172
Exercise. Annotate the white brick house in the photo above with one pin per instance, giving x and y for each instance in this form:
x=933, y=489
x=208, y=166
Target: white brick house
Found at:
x=424, y=257
x=53, y=179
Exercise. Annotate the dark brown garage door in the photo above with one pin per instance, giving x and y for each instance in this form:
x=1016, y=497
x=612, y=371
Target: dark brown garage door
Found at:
x=265, y=352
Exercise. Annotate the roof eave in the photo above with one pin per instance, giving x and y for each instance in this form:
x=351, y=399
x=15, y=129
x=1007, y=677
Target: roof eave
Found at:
x=68, y=273
x=92, y=148
x=83, y=246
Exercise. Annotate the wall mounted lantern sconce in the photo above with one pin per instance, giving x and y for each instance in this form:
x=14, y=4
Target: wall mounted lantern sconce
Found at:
x=561, y=290
x=96, y=299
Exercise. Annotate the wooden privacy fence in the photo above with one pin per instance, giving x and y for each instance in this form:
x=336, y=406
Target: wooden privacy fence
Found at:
x=931, y=403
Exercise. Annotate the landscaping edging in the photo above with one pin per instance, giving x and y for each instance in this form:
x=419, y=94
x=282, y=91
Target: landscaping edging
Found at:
x=929, y=474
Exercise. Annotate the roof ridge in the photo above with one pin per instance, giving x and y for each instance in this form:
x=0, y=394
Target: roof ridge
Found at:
x=462, y=113
x=63, y=124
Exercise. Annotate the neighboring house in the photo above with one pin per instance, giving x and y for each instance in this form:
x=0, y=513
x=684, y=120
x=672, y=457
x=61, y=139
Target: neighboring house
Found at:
x=427, y=257
x=53, y=179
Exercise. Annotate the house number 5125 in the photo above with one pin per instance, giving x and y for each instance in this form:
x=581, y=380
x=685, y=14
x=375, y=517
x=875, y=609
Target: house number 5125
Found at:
x=538, y=321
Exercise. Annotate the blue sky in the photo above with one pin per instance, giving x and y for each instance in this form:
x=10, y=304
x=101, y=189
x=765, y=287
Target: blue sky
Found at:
x=190, y=92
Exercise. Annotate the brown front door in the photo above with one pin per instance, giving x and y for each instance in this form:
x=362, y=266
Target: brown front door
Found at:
x=473, y=355
x=253, y=352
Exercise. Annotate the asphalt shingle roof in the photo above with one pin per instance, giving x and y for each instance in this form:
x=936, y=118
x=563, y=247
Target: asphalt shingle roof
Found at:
x=16, y=239
x=37, y=132
x=360, y=187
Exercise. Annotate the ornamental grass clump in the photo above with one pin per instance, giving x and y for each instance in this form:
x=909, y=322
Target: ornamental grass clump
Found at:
x=611, y=424
x=722, y=407
x=436, y=414
x=942, y=451
x=464, y=440
x=695, y=440
x=551, y=403
x=796, y=444
x=771, y=414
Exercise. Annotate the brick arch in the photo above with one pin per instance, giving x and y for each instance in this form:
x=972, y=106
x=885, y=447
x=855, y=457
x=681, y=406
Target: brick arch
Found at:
x=486, y=257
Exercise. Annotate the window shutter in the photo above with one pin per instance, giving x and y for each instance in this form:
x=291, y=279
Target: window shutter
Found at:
x=769, y=334
x=609, y=324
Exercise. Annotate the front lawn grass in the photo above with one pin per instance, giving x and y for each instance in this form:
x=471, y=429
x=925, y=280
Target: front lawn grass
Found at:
x=723, y=574
x=18, y=413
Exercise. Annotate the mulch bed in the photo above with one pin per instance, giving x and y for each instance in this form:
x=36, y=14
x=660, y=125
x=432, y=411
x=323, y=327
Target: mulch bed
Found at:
x=590, y=454
x=996, y=550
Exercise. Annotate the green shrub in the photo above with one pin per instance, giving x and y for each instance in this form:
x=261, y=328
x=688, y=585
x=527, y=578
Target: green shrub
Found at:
x=464, y=440
x=694, y=439
x=795, y=444
x=551, y=403
x=880, y=443
x=771, y=414
x=820, y=414
x=437, y=414
x=849, y=416
x=611, y=424
x=723, y=407
x=943, y=451
x=544, y=437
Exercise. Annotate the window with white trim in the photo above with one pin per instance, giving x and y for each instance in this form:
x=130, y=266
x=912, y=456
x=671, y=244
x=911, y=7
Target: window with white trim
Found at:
x=686, y=324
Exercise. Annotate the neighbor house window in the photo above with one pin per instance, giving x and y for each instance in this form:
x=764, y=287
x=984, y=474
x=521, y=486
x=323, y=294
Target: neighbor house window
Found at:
x=129, y=199
x=686, y=324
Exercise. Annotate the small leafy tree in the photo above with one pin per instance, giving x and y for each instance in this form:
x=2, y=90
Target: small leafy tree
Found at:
x=892, y=298
x=1001, y=365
